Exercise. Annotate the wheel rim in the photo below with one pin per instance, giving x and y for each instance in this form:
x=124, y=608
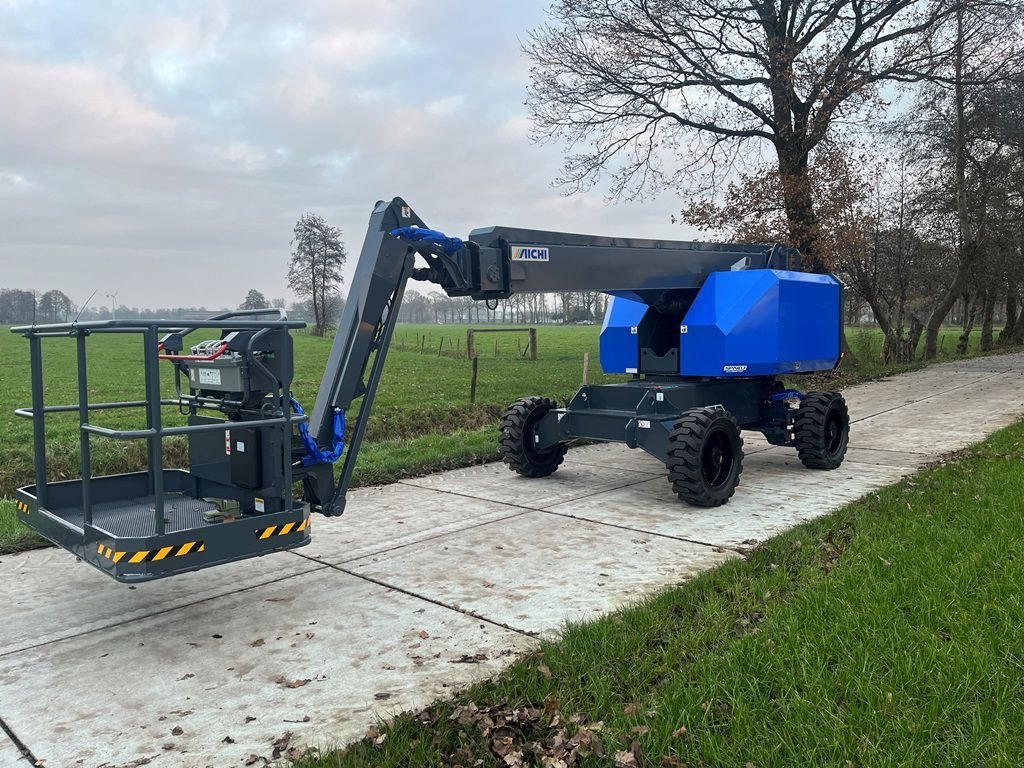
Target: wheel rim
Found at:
x=529, y=427
x=717, y=459
x=834, y=429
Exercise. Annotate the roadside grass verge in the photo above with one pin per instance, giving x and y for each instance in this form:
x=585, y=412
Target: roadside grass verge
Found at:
x=15, y=537
x=888, y=633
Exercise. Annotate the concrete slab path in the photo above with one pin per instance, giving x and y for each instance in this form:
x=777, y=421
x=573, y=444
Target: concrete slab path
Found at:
x=422, y=587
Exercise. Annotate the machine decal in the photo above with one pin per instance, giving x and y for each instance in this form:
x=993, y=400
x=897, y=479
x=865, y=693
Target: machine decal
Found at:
x=283, y=530
x=529, y=253
x=151, y=555
x=208, y=375
x=734, y=368
x=23, y=507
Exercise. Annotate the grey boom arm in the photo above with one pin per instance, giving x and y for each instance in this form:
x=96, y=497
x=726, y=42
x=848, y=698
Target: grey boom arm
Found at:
x=493, y=264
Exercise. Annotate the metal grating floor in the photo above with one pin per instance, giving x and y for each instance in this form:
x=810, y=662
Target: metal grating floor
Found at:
x=136, y=517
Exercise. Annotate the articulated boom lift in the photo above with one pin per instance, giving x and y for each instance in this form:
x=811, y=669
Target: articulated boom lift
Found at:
x=705, y=330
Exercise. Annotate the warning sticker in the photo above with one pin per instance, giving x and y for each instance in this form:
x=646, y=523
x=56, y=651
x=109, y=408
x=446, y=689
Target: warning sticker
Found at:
x=208, y=375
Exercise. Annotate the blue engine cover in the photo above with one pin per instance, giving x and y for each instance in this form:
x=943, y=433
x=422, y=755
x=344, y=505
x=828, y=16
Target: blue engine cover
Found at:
x=761, y=322
x=620, y=348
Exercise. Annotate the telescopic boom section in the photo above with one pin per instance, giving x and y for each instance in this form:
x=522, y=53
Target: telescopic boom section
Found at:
x=493, y=264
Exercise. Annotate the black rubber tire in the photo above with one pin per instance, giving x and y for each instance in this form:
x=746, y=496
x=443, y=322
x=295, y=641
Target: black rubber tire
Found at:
x=516, y=441
x=705, y=457
x=821, y=431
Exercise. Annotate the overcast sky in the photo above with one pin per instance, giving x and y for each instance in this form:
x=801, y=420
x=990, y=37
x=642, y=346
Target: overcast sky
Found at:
x=163, y=150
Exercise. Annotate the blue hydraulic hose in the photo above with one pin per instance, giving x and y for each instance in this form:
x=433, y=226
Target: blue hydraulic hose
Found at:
x=450, y=245
x=786, y=394
x=314, y=453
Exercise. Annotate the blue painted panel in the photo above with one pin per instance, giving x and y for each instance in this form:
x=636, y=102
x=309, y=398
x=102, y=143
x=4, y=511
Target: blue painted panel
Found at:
x=761, y=322
x=620, y=350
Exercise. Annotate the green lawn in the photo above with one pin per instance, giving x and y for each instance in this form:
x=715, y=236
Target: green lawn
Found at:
x=422, y=420
x=889, y=633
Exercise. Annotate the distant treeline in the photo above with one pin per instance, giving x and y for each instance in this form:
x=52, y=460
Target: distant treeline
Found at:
x=26, y=307
x=533, y=308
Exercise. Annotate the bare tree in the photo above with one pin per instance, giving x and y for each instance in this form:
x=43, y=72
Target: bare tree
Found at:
x=962, y=142
x=55, y=305
x=254, y=300
x=314, y=272
x=641, y=84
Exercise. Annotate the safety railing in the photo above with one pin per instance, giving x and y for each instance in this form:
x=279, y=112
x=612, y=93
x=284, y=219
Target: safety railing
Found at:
x=153, y=403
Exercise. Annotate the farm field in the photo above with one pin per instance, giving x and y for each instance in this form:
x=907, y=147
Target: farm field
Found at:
x=422, y=419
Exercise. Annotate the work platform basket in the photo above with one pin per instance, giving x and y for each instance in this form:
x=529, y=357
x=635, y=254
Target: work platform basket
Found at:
x=161, y=521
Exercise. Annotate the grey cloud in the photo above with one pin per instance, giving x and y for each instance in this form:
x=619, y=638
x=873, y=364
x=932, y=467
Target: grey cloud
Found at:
x=165, y=150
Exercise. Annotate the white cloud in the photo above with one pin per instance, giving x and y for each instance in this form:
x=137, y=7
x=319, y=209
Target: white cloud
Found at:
x=191, y=140
x=69, y=112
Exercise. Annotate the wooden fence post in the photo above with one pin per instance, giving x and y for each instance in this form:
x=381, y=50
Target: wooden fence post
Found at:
x=533, y=343
x=470, y=351
x=586, y=368
x=472, y=381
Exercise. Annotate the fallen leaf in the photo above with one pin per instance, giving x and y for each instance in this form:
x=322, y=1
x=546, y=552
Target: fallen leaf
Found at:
x=424, y=634
x=286, y=683
x=257, y=643
x=544, y=670
x=372, y=732
x=282, y=744
x=679, y=732
x=632, y=708
x=228, y=740
x=625, y=758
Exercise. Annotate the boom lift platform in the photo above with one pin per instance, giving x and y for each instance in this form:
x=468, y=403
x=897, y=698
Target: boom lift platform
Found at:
x=704, y=330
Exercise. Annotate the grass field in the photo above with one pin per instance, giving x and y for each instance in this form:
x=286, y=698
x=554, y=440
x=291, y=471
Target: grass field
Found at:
x=886, y=634
x=422, y=420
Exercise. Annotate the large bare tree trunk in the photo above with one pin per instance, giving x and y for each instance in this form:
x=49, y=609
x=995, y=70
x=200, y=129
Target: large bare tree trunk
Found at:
x=970, y=311
x=965, y=250
x=798, y=201
x=987, y=311
x=1006, y=335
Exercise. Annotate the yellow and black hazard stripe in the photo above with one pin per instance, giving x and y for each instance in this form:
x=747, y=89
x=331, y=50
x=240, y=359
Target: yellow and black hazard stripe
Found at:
x=151, y=555
x=23, y=507
x=282, y=530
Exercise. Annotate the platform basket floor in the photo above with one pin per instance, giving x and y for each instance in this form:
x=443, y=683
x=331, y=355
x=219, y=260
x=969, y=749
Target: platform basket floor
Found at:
x=135, y=517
